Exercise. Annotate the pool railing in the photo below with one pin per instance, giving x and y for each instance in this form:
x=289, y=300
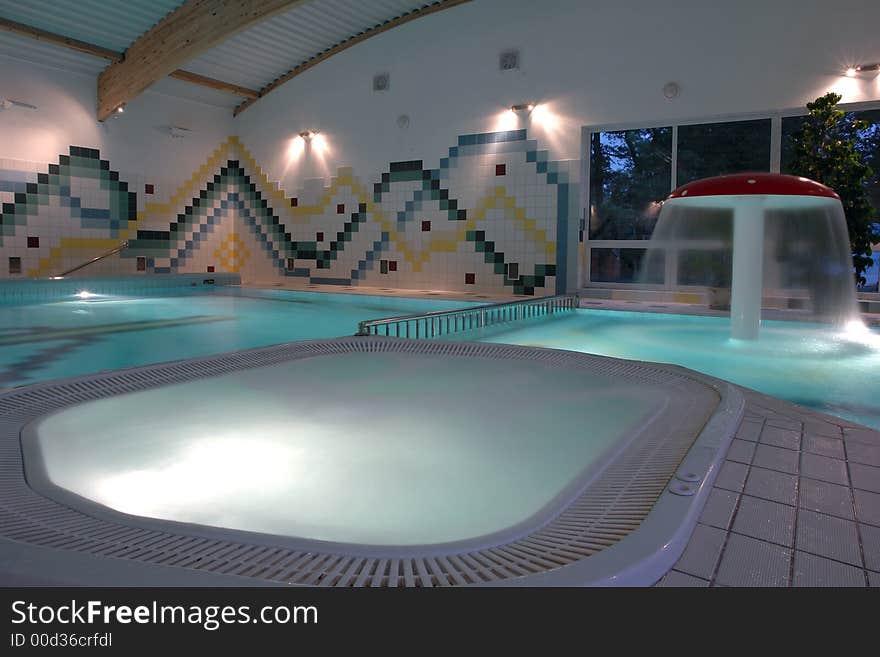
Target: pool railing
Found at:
x=444, y=322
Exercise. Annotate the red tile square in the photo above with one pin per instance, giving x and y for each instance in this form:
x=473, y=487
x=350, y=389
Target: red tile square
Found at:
x=500, y=169
x=33, y=242
x=210, y=269
x=294, y=202
x=426, y=226
x=392, y=265
x=470, y=279
x=149, y=188
x=319, y=237
x=340, y=208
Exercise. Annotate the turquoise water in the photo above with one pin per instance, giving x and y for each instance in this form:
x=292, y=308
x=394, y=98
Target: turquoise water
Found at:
x=305, y=449
x=81, y=336
x=833, y=372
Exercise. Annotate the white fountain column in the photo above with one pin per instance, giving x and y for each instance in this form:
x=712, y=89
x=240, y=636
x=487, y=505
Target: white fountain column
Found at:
x=748, y=263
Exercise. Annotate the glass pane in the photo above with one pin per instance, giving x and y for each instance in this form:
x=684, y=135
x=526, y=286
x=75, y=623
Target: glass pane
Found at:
x=709, y=267
x=715, y=149
x=630, y=173
x=868, y=145
x=623, y=265
x=790, y=125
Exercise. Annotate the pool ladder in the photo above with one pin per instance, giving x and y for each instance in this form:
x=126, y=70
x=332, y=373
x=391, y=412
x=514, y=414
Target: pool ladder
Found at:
x=122, y=246
x=444, y=322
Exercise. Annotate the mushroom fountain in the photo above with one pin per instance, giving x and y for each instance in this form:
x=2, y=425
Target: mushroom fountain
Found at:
x=765, y=235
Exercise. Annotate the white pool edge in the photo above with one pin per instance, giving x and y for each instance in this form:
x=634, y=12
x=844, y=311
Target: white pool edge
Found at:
x=640, y=558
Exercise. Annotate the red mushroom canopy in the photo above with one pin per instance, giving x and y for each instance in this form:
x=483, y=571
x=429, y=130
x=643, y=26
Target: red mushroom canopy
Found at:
x=740, y=184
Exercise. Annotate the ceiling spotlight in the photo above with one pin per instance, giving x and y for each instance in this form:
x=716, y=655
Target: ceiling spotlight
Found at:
x=863, y=69
x=120, y=109
x=522, y=107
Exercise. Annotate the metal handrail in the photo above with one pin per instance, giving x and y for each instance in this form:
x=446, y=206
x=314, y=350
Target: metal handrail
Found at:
x=122, y=246
x=443, y=322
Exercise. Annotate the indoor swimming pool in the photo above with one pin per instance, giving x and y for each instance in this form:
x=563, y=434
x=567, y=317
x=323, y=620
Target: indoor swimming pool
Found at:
x=94, y=332
x=835, y=372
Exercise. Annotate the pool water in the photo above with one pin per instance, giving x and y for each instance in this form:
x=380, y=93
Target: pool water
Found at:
x=81, y=336
x=415, y=449
x=830, y=371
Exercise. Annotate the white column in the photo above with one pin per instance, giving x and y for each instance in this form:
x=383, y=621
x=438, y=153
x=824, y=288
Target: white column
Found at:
x=748, y=262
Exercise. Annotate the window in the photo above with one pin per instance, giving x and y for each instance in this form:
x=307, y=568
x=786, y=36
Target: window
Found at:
x=868, y=144
x=632, y=170
x=630, y=173
x=625, y=266
x=715, y=149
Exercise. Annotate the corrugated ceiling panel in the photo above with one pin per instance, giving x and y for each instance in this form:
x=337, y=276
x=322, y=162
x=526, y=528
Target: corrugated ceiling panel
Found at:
x=262, y=53
x=45, y=54
x=114, y=24
x=252, y=58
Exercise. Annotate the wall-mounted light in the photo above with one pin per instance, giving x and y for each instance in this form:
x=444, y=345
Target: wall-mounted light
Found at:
x=307, y=141
x=522, y=107
x=120, y=109
x=868, y=70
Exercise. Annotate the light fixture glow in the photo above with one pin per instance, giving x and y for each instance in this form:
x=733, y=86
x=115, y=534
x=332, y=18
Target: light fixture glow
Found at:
x=319, y=143
x=522, y=107
x=85, y=294
x=543, y=117
x=863, y=69
x=297, y=146
x=120, y=109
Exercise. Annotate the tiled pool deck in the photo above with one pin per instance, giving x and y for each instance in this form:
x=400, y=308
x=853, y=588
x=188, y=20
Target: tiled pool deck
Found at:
x=796, y=503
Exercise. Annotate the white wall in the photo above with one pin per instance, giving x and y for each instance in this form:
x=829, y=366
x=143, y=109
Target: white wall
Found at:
x=136, y=141
x=603, y=61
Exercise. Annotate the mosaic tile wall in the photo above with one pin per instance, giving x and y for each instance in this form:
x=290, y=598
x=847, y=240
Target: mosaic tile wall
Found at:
x=495, y=216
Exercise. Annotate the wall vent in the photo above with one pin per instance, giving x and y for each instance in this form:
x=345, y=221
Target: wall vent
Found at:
x=508, y=60
x=381, y=82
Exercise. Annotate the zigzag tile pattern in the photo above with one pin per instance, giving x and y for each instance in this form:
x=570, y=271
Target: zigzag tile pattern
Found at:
x=491, y=229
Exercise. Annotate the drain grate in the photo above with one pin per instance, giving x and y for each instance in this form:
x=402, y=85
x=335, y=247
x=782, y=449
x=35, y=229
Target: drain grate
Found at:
x=602, y=515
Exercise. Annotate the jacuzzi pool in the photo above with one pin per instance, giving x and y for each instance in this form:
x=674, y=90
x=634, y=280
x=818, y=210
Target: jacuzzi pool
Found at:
x=542, y=462
x=385, y=449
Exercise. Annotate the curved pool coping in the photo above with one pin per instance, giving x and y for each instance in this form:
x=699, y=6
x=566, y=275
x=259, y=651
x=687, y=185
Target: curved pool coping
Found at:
x=577, y=539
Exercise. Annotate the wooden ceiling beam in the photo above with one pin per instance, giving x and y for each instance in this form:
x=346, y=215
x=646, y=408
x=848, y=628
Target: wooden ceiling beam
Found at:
x=184, y=34
x=440, y=5
x=114, y=56
x=211, y=83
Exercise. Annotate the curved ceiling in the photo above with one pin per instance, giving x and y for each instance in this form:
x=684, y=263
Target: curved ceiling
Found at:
x=257, y=59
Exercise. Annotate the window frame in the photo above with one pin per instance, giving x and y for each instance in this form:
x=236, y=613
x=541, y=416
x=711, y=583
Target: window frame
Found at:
x=671, y=260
